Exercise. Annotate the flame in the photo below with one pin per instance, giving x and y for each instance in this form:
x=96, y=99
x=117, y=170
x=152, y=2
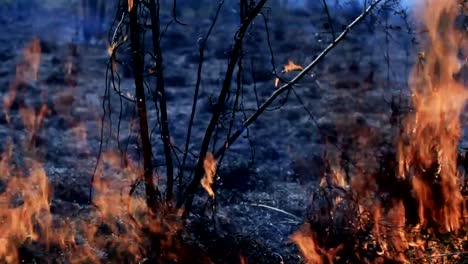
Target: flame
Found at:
x=428, y=146
x=111, y=49
x=243, y=260
x=33, y=121
x=24, y=206
x=427, y=161
x=307, y=246
x=310, y=250
x=389, y=232
x=209, y=164
x=291, y=66
x=130, y=5
x=125, y=218
x=26, y=72
x=28, y=69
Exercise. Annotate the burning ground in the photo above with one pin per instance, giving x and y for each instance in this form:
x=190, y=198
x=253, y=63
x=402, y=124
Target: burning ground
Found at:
x=362, y=161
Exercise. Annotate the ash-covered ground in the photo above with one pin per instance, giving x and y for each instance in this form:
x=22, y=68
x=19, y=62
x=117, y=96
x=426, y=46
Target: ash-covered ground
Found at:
x=347, y=105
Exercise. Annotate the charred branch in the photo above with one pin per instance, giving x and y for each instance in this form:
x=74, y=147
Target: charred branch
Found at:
x=151, y=192
x=154, y=6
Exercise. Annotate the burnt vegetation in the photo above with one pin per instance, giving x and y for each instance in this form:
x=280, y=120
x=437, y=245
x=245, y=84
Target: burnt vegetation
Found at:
x=249, y=131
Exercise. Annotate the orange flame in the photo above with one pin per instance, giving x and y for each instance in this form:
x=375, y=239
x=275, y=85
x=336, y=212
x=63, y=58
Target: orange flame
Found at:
x=428, y=148
x=209, y=165
x=28, y=69
x=25, y=203
x=291, y=66
x=310, y=250
x=307, y=247
x=33, y=121
x=29, y=215
x=26, y=72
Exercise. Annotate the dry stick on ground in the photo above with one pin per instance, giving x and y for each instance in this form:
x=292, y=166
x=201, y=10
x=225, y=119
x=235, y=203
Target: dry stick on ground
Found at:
x=295, y=80
x=151, y=192
x=160, y=93
x=195, y=96
x=188, y=196
x=296, y=218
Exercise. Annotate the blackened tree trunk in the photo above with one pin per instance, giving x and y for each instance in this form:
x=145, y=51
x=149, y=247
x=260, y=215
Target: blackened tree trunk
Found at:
x=137, y=55
x=161, y=94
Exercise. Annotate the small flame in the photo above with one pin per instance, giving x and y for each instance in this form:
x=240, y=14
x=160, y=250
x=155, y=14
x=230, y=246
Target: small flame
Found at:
x=291, y=66
x=307, y=245
x=111, y=49
x=209, y=165
x=130, y=5
x=304, y=238
x=32, y=121
x=26, y=72
x=243, y=260
x=28, y=69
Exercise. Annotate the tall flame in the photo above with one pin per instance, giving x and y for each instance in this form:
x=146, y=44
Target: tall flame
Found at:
x=428, y=147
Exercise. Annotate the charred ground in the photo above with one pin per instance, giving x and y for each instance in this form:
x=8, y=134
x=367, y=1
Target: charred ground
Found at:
x=349, y=107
